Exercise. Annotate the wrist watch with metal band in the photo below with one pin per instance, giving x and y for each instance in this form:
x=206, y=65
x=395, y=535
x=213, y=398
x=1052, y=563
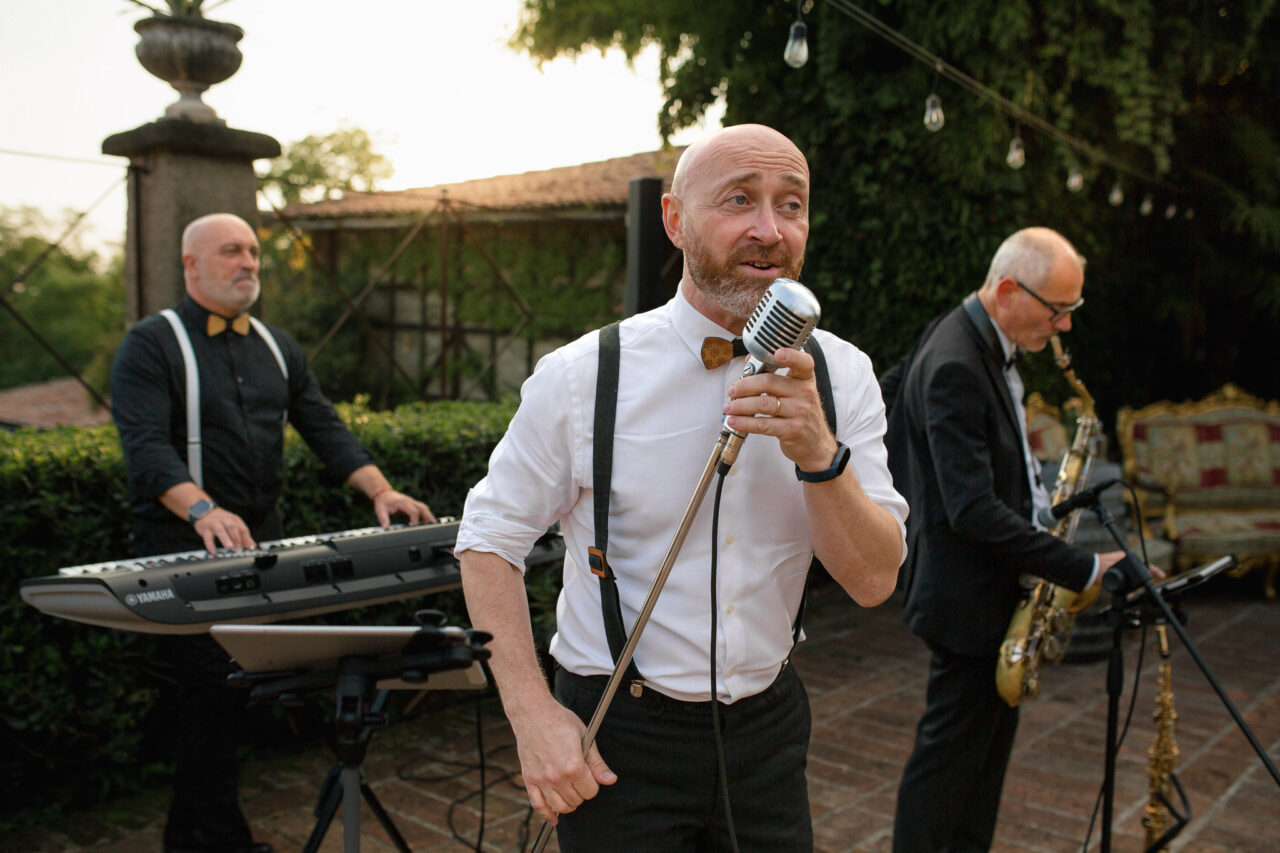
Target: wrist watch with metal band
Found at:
x=199, y=510
x=835, y=469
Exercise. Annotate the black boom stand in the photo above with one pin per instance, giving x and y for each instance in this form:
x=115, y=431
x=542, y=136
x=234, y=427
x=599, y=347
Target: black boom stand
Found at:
x=367, y=663
x=1123, y=581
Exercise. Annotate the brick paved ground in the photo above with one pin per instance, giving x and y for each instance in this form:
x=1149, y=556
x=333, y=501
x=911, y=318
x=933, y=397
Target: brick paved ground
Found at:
x=865, y=676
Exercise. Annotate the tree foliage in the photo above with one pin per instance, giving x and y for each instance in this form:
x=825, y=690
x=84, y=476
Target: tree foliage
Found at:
x=1177, y=99
x=319, y=167
x=72, y=298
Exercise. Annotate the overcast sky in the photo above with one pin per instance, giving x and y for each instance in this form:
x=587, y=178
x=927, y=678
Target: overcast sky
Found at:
x=430, y=80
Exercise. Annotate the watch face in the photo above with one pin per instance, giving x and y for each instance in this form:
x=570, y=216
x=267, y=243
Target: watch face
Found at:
x=199, y=510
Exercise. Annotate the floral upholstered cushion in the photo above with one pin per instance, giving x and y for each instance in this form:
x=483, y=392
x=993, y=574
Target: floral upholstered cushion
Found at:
x=1243, y=533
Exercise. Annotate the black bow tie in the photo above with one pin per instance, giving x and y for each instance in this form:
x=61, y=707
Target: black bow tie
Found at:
x=718, y=351
x=1013, y=359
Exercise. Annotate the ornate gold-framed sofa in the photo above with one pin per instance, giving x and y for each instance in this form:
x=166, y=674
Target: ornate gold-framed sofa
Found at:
x=1208, y=477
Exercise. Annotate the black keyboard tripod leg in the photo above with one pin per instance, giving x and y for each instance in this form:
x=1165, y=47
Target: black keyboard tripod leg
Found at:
x=375, y=806
x=326, y=808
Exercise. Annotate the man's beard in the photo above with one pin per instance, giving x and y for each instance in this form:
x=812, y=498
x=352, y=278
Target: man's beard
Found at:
x=728, y=287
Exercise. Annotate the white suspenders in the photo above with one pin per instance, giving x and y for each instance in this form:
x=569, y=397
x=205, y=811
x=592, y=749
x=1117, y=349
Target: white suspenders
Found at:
x=193, y=384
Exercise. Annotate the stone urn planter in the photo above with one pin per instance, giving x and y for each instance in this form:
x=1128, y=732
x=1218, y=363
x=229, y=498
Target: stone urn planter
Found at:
x=190, y=54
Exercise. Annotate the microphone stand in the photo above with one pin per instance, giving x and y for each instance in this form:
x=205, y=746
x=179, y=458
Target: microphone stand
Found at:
x=1122, y=578
x=723, y=455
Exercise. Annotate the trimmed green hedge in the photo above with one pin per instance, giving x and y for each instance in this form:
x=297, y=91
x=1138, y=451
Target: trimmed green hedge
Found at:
x=83, y=719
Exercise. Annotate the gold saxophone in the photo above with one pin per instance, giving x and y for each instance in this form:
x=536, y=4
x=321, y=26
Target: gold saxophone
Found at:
x=1041, y=624
x=1162, y=752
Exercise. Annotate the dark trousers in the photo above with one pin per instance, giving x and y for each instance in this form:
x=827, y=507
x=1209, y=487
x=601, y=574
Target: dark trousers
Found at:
x=950, y=791
x=204, y=814
x=667, y=797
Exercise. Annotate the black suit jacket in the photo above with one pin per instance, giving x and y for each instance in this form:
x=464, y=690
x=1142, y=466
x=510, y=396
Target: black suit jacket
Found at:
x=956, y=454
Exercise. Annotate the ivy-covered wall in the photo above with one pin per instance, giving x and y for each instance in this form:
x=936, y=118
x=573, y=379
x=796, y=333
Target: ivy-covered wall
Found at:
x=462, y=294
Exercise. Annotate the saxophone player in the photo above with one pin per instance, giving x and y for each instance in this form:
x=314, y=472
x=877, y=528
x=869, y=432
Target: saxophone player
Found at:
x=958, y=451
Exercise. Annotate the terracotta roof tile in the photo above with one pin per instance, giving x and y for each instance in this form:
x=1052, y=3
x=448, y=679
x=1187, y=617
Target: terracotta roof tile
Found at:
x=601, y=185
x=58, y=402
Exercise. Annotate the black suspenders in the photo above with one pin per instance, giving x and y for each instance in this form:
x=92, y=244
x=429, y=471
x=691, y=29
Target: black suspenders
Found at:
x=602, y=477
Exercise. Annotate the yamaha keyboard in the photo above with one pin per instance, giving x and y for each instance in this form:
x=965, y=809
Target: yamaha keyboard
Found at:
x=186, y=593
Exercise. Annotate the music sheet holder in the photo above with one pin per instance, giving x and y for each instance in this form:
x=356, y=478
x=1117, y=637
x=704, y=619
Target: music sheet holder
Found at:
x=360, y=664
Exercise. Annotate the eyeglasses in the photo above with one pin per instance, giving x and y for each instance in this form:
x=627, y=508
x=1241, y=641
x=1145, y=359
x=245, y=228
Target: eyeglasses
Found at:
x=1058, y=310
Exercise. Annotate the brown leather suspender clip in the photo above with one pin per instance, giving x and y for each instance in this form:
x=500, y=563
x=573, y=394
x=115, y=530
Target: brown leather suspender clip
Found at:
x=596, y=560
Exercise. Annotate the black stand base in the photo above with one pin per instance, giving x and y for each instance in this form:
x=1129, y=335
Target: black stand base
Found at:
x=338, y=788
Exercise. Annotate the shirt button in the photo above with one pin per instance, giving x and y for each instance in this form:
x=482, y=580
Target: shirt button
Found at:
x=728, y=540
x=729, y=609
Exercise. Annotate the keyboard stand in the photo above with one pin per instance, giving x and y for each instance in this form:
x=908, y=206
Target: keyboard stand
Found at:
x=360, y=682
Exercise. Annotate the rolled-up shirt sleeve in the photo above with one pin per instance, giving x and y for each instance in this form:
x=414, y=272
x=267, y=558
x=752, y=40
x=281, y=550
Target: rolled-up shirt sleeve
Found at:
x=535, y=472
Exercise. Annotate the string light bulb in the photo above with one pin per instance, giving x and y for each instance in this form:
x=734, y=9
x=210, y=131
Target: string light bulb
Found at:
x=1146, y=206
x=1075, y=179
x=1116, y=197
x=933, y=117
x=1171, y=211
x=1017, y=155
x=796, y=53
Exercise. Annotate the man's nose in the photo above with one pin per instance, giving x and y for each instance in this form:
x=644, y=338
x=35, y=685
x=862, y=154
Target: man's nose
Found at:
x=764, y=226
x=1062, y=323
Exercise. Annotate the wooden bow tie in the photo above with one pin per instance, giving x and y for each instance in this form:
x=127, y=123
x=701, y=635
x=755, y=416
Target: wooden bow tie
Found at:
x=718, y=351
x=218, y=324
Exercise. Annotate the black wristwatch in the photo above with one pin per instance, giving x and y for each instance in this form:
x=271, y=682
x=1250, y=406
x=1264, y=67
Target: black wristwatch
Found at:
x=835, y=469
x=199, y=510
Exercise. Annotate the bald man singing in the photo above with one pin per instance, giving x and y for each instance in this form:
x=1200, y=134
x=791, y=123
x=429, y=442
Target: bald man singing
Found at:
x=712, y=669
x=253, y=379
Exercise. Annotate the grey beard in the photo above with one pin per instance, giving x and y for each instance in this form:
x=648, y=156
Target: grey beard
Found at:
x=737, y=297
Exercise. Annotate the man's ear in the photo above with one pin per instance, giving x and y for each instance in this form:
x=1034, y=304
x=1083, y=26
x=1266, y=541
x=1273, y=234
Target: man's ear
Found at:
x=1004, y=290
x=672, y=217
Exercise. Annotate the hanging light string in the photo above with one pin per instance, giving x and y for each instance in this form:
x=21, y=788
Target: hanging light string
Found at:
x=969, y=84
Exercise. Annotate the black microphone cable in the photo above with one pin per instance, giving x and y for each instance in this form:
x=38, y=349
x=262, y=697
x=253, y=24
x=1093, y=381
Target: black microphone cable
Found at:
x=711, y=660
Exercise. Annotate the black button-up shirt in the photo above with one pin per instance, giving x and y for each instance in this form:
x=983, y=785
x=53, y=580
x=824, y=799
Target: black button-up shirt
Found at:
x=245, y=401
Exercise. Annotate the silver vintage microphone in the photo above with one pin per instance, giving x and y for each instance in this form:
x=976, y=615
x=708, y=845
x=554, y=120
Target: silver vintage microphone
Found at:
x=784, y=317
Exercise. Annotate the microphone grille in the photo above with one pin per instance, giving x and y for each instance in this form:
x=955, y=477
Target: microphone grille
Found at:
x=784, y=317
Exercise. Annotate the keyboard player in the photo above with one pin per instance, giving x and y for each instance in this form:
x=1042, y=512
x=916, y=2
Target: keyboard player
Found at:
x=200, y=396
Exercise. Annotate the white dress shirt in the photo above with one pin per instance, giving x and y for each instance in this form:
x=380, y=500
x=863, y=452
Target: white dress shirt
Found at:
x=1039, y=494
x=669, y=417
x=1040, y=497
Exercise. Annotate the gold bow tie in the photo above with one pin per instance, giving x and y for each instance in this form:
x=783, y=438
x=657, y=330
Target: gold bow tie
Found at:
x=218, y=324
x=718, y=351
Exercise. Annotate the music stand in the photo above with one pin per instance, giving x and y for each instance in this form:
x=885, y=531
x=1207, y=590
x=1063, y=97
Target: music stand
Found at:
x=1130, y=583
x=287, y=661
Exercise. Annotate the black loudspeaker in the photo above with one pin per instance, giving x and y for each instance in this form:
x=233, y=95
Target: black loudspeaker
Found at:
x=651, y=257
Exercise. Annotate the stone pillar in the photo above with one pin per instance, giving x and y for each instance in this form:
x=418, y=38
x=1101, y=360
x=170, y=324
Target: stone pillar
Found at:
x=179, y=170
